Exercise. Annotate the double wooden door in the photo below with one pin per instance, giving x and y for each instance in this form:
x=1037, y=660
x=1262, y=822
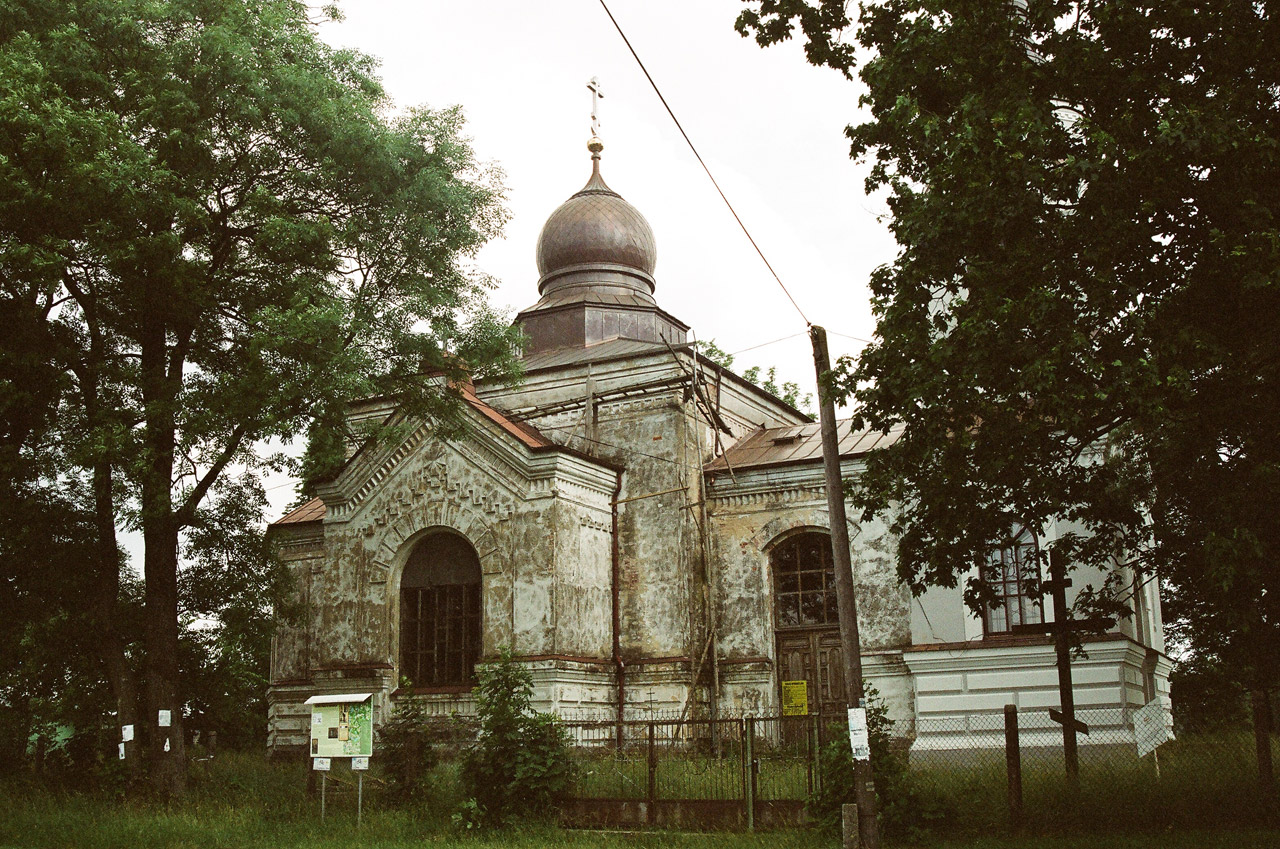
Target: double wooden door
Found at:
x=814, y=655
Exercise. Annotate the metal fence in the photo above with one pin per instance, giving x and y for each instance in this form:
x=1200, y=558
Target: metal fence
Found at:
x=940, y=777
x=727, y=770
x=964, y=776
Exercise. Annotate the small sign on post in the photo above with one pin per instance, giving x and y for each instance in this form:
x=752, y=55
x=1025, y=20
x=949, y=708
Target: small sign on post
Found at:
x=859, y=737
x=795, y=698
x=1152, y=726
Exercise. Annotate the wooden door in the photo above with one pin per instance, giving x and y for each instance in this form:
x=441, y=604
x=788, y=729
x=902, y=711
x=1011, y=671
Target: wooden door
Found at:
x=814, y=655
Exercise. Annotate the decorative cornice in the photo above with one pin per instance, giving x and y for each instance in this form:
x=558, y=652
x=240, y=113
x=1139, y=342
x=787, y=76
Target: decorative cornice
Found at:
x=769, y=496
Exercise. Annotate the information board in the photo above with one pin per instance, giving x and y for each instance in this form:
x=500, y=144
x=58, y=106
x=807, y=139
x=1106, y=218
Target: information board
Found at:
x=341, y=729
x=795, y=698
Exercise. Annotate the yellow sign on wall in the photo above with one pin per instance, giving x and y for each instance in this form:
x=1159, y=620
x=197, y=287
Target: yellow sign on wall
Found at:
x=795, y=698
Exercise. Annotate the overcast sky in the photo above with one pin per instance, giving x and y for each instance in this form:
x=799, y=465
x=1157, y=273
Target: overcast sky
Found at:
x=769, y=125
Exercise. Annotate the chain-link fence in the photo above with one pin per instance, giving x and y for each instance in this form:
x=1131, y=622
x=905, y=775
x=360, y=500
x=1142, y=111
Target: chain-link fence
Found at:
x=964, y=776
x=937, y=776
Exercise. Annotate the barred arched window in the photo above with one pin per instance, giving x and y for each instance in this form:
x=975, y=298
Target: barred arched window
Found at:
x=440, y=612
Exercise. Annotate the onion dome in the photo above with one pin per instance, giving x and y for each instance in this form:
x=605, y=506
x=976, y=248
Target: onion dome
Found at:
x=596, y=255
x=596, y=230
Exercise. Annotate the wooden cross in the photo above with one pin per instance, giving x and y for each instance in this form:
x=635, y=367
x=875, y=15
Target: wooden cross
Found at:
x=1062, y=627
x=596, y=95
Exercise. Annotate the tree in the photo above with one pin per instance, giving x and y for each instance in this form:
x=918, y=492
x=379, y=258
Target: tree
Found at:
x=788, y=391
x=216, y=232
x=519, y=765
x=1084, y=317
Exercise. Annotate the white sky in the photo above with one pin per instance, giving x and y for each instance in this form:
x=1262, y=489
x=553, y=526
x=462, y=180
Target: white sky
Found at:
x=769, y=125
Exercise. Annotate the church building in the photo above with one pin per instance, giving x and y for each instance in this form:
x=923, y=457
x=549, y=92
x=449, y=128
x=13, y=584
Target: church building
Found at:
x=648, y=533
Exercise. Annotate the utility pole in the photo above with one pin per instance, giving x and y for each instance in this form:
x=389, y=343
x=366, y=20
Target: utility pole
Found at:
x=846, y=600
x=1062, y=627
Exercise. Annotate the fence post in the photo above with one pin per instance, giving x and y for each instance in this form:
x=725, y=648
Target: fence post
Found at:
x=750, y=777
x=812, y=736
x=652, y=794
x=1013, y=764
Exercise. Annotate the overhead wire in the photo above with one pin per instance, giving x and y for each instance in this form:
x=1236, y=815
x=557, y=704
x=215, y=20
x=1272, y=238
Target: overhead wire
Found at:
x=698, y=156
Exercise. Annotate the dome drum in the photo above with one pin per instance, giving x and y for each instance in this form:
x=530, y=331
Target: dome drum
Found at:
x=581, y=325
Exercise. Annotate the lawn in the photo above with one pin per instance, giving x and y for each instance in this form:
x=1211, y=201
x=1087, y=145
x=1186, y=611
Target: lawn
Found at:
x=242, y=801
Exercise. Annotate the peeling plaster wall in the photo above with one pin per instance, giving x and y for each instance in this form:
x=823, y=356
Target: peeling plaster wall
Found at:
x=539, y=524
x=749, y=512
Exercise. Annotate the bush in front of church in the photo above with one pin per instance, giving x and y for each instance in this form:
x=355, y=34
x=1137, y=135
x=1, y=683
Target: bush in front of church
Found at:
x=906, y=813
x=520, y=764
x=406, y=752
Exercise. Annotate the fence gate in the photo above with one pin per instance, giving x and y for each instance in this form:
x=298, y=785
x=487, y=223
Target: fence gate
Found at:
x=695, y=774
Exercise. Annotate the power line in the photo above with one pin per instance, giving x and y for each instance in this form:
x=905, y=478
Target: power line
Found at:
x=698, y=156
x=854, y=338
x=765, y=344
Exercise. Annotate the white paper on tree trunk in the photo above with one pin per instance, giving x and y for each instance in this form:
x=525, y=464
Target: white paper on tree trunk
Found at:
x=859, y=739
x=165, y=719
x=126, y=733
x=122, y=751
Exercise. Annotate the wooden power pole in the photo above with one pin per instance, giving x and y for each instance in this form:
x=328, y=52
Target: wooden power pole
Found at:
x=846, y=601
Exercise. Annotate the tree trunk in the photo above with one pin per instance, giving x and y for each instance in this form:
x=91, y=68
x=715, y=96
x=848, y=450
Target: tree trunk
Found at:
x=167, y=761
x=167, y=765
x=106, y=603
x=1262, y=740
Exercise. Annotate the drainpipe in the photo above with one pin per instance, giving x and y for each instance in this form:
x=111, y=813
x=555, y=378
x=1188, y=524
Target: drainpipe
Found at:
x=620, y=668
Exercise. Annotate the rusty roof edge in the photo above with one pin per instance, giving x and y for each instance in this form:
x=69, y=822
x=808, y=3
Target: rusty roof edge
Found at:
x=876, y=445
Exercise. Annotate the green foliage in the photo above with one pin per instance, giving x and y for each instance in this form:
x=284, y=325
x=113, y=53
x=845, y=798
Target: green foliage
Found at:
x=715, y=353
x=214, y=232
x=1081, y=324
x=405, y=752
x=788, y=391
x=1206, y=697
x=233, y=591
x=904, y=811
x=520, y=764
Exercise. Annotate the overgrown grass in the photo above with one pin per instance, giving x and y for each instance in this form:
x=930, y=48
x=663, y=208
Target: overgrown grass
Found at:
x=1206, y=782
x=244, y=801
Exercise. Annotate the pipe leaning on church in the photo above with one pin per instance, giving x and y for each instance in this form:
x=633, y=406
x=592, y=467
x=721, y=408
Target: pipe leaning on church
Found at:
x=615, y=578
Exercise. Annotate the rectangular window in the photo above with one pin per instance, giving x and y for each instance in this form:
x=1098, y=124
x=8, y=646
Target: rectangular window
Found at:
x=1008, y=573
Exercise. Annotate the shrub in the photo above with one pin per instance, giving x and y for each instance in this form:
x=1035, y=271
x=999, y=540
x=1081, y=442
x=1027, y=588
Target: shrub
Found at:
x=405, y=751
x=520, y=764
x=905, y=812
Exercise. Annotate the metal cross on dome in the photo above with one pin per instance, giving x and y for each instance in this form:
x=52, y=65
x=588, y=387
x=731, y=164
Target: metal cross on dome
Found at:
x=596, y=94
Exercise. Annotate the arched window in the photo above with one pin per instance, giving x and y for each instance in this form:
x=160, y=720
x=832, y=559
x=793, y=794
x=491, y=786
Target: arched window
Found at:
x=804, y=581
x=808, y=619
x=440, y=612
x=1008, y=572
